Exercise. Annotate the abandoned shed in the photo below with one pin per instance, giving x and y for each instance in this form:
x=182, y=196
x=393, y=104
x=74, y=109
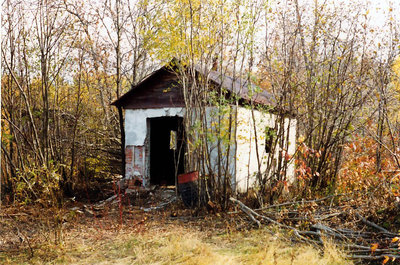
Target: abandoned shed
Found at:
x=155, y=132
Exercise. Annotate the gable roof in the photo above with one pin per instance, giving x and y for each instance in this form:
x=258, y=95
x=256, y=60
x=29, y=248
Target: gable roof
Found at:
x=123, y=100
x=236, y=86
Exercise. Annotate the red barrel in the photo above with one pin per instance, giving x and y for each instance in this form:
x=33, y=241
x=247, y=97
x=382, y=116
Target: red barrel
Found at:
x=187, y=188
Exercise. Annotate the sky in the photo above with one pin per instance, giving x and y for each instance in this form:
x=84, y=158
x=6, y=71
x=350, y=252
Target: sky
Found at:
x=378, y=9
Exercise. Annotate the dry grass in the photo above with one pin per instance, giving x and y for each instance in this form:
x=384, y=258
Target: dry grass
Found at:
x=159, y=237
x=176, y=244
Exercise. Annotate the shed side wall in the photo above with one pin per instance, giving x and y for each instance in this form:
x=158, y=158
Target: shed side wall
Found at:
x=248, y=144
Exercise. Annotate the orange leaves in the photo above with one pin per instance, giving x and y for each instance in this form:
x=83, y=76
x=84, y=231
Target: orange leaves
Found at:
x=306, y=151
x=396, y=240
x=358, y=171
x=374, y=247
x=303, y=170
x=385, y=260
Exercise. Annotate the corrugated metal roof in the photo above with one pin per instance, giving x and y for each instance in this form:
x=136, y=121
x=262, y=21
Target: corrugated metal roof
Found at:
x=241, y=88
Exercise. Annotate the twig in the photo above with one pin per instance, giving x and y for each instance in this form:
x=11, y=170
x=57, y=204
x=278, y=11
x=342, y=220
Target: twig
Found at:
x=368, y=257
x=23, y=238
x=251, y=213
x=291, y=203
x=247, y=211
x=158, y=207
x=328, y=230
x=357, y=250
x=372, y=224
x=9, y=215
x=296, y=202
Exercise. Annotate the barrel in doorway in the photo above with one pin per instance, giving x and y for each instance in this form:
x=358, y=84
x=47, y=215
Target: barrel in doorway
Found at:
x=187, y=188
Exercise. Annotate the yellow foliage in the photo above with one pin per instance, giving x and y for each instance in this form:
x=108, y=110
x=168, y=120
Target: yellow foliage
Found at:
x=396, y=76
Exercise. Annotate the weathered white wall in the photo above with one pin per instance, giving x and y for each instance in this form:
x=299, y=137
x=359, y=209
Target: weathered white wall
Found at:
x=136, y=122
x=247, y=164
x=137, y=160
x=136, y=131
x=243, y=164
x=291, y=128
x=246, y=157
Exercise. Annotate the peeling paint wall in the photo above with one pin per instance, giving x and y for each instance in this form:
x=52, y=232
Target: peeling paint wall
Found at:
x=137, y=144
x=136, y=122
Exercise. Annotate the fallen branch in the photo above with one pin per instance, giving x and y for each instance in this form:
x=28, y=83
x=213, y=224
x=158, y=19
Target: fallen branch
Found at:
x=357, y=243
x=300, y=202
x=329, y=231
x=158, y=207
x=294, y=202
x=247, y=211
x=372, y=224
x=251, y=213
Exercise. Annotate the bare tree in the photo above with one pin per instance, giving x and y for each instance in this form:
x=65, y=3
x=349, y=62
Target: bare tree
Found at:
x=319, y=68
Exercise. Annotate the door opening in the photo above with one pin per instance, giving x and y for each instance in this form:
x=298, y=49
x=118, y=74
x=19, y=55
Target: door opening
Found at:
x=166, y=149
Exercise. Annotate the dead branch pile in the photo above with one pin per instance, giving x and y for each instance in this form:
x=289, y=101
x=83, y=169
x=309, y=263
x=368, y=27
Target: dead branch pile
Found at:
x=315, y=222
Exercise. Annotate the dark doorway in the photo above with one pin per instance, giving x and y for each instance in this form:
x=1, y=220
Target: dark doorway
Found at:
x=166, y=149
